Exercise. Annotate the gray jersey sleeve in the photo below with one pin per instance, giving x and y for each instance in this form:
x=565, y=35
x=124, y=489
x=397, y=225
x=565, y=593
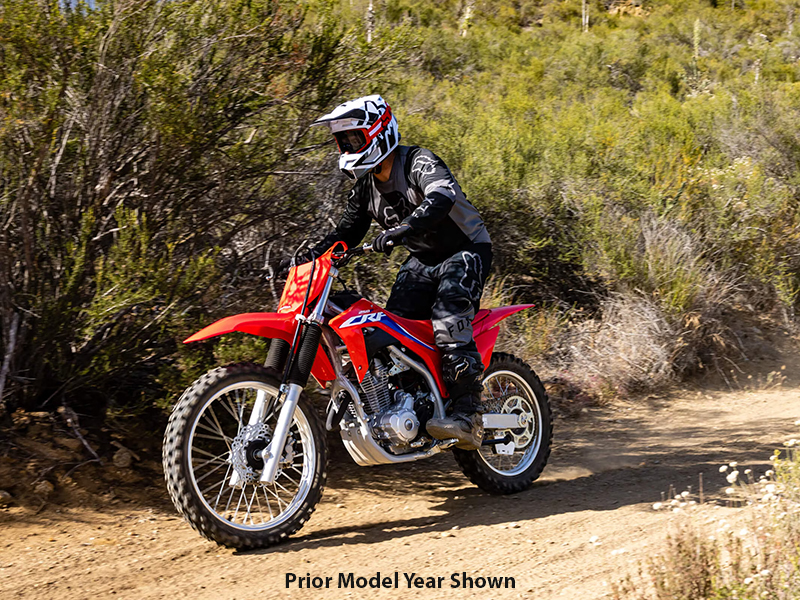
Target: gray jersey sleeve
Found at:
x=355, y=222
x=430, y=175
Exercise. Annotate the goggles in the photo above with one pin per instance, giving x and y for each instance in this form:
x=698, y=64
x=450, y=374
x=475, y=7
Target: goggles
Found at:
x=352, y=141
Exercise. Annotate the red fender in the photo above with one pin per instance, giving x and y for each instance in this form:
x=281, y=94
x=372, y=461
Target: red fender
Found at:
x=484, y=330
x=268, y=325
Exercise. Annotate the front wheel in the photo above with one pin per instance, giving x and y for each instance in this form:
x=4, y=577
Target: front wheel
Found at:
x=212, y=459
x=511, y=386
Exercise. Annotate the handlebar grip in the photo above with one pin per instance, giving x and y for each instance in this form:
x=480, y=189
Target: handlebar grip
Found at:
x=344, y=259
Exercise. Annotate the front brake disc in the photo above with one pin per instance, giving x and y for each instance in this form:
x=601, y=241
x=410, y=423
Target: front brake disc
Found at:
x=243, y=459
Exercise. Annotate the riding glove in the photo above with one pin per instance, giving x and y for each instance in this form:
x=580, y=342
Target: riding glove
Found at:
x=387, y=240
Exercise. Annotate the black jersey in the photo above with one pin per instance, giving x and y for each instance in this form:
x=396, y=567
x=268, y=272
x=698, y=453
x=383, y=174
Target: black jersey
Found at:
x=421, y=192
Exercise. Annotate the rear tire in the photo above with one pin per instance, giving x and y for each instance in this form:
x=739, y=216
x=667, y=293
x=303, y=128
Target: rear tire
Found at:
x=510, y=385
x=208, y=438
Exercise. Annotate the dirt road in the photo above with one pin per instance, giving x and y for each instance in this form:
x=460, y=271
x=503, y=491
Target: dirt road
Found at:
x=586, y=523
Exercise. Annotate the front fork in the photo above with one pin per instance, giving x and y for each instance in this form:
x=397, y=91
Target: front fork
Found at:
x=256, y=416
x=272, y=454
x=299, y=370
x=290, y=395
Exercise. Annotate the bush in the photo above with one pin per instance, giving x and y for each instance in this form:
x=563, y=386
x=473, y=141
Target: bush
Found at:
x=639, y=176
x=152, y=154
x=644, y=172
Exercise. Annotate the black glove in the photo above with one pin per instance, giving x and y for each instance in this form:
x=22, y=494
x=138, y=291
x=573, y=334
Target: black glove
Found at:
x=387, y=240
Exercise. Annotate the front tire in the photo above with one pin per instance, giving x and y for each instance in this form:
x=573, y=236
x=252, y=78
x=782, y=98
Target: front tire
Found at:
x=510, y=385
x=208, y=439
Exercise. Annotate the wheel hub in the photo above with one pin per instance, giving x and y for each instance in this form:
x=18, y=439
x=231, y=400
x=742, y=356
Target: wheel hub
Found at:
x=520, y=406
x=253, y=454
x=246, y=451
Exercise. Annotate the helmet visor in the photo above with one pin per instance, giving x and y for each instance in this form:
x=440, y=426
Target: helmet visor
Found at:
x=350, y=141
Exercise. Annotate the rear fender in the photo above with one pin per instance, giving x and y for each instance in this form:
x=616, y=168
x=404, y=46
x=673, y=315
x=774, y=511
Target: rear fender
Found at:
x=267, y=325
x=485, y=330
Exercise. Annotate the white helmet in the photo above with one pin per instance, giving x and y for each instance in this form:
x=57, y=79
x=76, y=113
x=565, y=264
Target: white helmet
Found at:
x=366, y=132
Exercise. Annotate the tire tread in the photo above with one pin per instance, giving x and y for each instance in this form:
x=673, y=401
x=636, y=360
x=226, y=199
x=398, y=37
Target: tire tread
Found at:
x=473, y=466
x=178, y=483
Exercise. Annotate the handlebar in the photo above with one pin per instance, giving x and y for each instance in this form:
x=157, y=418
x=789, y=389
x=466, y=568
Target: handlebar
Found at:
x=344, y=258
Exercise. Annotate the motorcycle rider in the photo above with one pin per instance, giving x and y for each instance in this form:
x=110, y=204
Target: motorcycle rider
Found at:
x=414, y=197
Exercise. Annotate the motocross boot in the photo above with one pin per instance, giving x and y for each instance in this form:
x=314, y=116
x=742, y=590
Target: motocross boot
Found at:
x=462, y=375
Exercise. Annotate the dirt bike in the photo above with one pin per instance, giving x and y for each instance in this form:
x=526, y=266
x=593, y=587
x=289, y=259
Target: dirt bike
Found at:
x=245, y=455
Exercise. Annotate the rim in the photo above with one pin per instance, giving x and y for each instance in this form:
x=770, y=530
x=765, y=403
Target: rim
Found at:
x=508, y=392
x=218, y=445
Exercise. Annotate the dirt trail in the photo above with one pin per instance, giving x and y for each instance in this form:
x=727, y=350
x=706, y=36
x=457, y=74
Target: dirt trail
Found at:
x=607, y=469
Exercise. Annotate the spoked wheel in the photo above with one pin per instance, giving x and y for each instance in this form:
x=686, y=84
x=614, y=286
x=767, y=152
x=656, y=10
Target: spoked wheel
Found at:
x=511, y=386
x=213, y=459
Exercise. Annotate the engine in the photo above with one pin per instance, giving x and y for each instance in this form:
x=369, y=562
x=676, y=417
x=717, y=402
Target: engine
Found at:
x=375, y=388
x=394, y=412
x=400, y=424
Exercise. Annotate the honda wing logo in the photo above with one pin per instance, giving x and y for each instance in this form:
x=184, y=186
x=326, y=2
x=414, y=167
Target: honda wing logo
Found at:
x=363, y=319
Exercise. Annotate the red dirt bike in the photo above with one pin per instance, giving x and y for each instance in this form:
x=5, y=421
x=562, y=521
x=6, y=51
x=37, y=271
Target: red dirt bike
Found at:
x=245, y=454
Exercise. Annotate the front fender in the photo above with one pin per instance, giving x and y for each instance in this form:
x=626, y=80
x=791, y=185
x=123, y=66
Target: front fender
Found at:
x=268, y=325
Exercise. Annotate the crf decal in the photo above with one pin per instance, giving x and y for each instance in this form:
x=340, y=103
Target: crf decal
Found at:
x=362, y=319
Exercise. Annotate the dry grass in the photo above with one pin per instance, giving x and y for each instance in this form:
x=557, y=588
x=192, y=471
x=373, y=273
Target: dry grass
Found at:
x=757, y=561
x=538, y=337
x=531, y=334
x=628, y=349
x=632, y=346
x=675, y=315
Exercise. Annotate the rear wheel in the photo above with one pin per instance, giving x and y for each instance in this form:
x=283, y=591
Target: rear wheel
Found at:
x=511, y=386
x=212, y=459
